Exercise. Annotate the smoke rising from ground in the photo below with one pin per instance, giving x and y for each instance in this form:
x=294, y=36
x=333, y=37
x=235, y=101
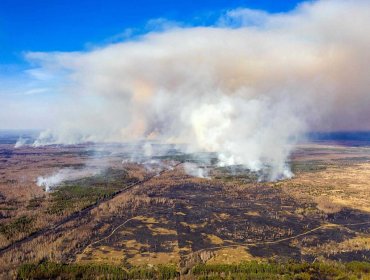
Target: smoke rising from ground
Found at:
x=248, y=87
x=65, y=174
x=194, y=170
x=20, y=142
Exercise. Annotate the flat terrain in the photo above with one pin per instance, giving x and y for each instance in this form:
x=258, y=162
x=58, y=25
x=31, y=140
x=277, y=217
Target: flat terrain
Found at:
x=136, y=212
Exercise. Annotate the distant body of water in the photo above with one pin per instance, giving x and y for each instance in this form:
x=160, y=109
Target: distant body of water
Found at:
x=361, y=138
x=343, y=138
x=9, y=136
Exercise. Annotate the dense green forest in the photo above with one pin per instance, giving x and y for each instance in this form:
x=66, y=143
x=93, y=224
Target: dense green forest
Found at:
x=246, y=270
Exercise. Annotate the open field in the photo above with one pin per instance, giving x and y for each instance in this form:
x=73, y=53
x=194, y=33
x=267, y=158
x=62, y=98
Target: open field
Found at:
x=133, y=215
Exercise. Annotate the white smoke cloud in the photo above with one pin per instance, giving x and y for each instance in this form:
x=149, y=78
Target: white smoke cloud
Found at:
x=194, y=170
x=65, y=174
x=20, y=142
x=49, y=182
x=246, y=88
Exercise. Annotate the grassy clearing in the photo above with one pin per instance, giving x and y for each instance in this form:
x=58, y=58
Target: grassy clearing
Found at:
x=230, y=256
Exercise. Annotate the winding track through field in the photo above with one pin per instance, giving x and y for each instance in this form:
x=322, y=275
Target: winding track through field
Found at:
x=278, y=240
x=237, y=244
x=114, y=230
x=80, y=213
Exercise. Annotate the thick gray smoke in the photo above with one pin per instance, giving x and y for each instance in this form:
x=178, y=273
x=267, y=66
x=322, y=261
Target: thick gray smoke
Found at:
x=247, y=88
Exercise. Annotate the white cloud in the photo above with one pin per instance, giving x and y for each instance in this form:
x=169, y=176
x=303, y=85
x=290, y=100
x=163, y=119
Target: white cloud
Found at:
x=247, y=90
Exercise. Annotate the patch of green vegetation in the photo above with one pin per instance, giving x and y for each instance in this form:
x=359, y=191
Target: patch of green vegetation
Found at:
x=199, y=158
x=255, y=270
x=246, y=270
x=23, y=224
x=35, y=202
x=79, y=194
x=50, y=270
x=75, y=197
x=308, y=166
x=110, y=177
x=350, y=160
x=236, y=173
x=8, y=208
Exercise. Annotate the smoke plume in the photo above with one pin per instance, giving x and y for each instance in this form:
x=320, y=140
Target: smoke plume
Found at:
x=20, y=142
x=65, y=174
x=247, y=88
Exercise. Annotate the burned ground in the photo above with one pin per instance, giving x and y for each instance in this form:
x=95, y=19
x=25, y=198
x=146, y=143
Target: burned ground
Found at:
x=322, y=213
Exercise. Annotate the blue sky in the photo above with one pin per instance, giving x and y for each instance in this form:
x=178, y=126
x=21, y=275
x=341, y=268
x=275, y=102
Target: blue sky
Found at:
x=70, y=25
